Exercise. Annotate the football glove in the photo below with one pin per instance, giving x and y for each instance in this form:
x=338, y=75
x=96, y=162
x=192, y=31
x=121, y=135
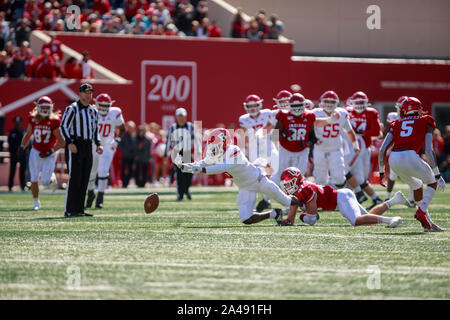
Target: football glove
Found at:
x=178, y=161
x=191, y=168
x=285, y=223
x=440, y=183
x=46, y=153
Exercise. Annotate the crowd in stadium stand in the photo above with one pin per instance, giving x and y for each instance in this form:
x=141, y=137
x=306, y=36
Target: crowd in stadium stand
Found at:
x=155, y=17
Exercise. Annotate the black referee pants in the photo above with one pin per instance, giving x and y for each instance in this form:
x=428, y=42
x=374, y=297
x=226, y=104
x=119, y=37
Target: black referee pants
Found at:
x=79, y=165
x=184, y=181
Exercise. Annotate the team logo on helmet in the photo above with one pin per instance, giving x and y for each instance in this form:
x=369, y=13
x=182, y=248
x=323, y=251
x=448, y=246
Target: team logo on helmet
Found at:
x=290, y=180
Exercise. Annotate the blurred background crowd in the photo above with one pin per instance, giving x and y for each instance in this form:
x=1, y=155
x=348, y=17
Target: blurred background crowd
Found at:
x=183, y=18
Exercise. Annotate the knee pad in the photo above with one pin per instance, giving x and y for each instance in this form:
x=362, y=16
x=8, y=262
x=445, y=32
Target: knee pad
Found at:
x=341, y=185
x=364, y=184
x=348, y=175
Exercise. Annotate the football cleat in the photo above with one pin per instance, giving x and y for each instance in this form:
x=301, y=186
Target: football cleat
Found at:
x=36, y=205
x=279, y=216
x=423, y=219
x=361, y=197
x=412, y=204
x=99, y=201
x=263, y=205
x=399, y=198
x=434, y=228
x=396, y=221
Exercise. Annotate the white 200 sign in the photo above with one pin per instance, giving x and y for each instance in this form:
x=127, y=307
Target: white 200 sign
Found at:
x=166, y=88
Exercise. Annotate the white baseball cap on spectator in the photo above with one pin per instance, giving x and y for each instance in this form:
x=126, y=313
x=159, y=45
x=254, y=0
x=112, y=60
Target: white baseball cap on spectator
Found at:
x=181, y=111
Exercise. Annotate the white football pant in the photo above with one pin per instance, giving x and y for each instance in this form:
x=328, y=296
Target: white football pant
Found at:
x=38, y=165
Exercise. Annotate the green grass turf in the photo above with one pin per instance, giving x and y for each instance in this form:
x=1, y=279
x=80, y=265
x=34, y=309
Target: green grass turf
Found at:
x=199, y=249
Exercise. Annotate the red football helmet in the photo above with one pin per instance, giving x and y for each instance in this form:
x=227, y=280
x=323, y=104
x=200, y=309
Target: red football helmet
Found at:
x=309, y=105
x=329, y=101
x=217, y=142
x=409, y=106
x=282, y=99
x=399, y=103
x=44, y=106
x=359, y=101
x=290, y=180
x=103, y=102
x=297, y=104
x=253, y=104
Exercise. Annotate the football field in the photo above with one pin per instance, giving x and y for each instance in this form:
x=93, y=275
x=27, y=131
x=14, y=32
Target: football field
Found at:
x=199, y=249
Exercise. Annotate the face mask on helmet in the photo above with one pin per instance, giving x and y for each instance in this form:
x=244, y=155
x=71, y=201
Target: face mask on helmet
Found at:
x=297, y=109
x=103, y=108
x=253, y=108
x=44, y=110
x=359, y=105
x=283, y=104
x=329, y=105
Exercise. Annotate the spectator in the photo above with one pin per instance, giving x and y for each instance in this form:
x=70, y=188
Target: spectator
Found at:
x=202, y=31
x=3, y=67
x=5, y=24
x=54, y=46
x=138, y=25
x=16, y=68
x=275, y=27
x=214, y=31
x=16, y=154
x=185, y=16
x=45, y=25
x=171, y=30
x=2, y=38
x=23, y=32
x=29, y=61
x=128, y=151
x=194, y=29
x=44, y=66
x=447, y=140
x=262, y=25
x=85, y=27
x=253, y=33
x=59, y=25
x=162, y=13
x=201, y=11
x=102, y=6
x=71, y=69
x=238, y=27
x=86, y=70
x=142, y=157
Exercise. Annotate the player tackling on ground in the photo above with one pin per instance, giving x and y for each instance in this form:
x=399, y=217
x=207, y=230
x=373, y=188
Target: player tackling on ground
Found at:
x=312, y=197
x=408, y=134
x=109, y=119
x=43, y=125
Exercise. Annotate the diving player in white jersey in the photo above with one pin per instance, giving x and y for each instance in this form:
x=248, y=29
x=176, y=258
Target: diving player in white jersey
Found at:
x=329, y=148
x=257, y=124
x=223, y=156
x=109, y=118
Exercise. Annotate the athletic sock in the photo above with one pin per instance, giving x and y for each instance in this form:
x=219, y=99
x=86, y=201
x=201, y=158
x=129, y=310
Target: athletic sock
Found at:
x=388, y=194
x=102, y=184
x=357, y=189
x=386, y=220
x=374, y=196
x=427, y=196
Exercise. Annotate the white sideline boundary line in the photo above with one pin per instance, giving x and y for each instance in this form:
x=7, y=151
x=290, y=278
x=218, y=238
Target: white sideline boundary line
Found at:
x=370, y=60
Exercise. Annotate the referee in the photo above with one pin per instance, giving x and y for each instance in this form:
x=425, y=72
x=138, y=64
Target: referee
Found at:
x=79, y=129
x=179, y=139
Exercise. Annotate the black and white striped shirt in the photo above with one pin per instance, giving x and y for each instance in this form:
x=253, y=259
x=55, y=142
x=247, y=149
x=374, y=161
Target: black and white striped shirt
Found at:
x=80, y=122
x=181, y=138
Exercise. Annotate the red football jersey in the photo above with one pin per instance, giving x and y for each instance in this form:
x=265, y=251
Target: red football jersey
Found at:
x=43, y=137
x=326, y=195
x=298, y=128
x=409, y=132
x=367, y=123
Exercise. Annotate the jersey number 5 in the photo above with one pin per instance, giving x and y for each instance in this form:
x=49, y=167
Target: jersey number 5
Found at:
x=406, y=128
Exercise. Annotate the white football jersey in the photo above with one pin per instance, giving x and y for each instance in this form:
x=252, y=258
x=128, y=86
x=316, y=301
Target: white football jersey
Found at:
x=330, y=135
x=242, y=172
x=264, y=117
x=107, y=124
